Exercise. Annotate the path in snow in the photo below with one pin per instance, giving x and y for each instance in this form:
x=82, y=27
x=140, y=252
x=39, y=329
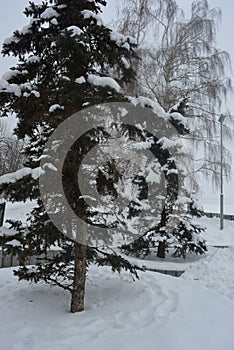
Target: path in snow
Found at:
x=157, y=312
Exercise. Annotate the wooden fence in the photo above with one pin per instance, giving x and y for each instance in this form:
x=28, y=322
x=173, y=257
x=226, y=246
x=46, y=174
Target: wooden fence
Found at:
x=11, y=260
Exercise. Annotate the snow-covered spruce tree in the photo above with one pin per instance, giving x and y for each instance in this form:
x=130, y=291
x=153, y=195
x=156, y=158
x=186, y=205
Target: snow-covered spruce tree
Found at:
x=67, y=61
x=187, y=232
x=183, y=235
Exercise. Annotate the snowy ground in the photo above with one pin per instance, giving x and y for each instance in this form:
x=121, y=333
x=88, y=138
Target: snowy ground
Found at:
x=195, y=311
x=157, y=312
x=216, y=237
x=214, y=272
x=18, y=211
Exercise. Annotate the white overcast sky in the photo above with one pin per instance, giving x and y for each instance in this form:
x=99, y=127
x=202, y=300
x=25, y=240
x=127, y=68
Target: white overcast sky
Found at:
x=11, y=18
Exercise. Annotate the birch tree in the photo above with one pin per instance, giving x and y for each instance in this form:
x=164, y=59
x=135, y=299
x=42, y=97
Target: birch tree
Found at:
x=180, y=59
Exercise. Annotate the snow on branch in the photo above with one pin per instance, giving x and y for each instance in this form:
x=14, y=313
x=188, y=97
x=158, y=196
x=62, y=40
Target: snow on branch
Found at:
x=26, y=88
x=167, y=143
x=103, y=81
x=14, y=38
x=11, y=39
x=12, y=88
x=80, y=80
x=147, y=102
x=49, y=13
x=75, y=30
x=11, y=74
x=54, y=107
x=33, y=59
x=20, y=174
x=122, y=40
x=90, y=14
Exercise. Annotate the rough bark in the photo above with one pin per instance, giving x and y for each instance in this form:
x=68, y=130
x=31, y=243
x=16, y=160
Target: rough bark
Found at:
x=78, y=292
x=161, y=250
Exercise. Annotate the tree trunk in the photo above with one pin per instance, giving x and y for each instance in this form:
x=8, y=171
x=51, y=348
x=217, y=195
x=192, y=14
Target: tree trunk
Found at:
x=161, y=253
x=78, y=292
